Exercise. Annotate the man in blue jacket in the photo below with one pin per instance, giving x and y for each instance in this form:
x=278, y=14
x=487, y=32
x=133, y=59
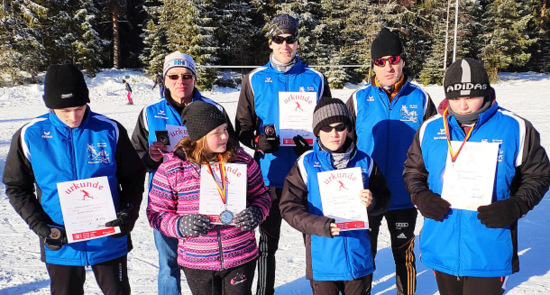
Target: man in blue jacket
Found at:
x=472, y=250
x=73, y=143
x=258, y=111
x=180, y=79
x=386, y=114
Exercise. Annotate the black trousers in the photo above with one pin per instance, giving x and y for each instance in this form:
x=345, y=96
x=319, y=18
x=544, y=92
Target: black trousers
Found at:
x=401, y=224
x=270, y=231
x=111, y=276
x=233, y=281
x=454, y=285
x=360, y=286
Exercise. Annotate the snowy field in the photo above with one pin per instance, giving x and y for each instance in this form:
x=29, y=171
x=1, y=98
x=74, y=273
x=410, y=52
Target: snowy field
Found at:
x=22, y=272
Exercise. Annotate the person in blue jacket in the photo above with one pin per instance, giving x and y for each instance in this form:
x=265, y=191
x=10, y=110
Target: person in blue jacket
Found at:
x=386, y=113
x=336, y=261
x=258, y=111
x=472, y=251
x=180, y=79
x=73, y=143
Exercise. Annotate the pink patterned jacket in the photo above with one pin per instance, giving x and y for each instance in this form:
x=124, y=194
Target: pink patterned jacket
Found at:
x=175, y=192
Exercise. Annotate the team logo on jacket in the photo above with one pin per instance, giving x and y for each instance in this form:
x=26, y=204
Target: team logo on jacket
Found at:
x=97, y=154
x=47, y=134
x=268, y=80
x=409, y=115
x=161, y=115
x=370, y=98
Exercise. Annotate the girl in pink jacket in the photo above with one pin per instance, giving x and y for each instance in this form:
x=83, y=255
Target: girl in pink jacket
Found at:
x=216, y=259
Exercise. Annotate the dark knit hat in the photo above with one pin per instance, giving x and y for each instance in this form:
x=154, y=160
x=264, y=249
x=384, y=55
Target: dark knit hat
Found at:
x=65, y=87
x=283, y=24
x=328, y=111
x=386, y=43
x=466, y=78
x=200, y=118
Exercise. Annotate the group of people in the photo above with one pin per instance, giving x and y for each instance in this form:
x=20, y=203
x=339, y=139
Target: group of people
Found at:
x=407, y=154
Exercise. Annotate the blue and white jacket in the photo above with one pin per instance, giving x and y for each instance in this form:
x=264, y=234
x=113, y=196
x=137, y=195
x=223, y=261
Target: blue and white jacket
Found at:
x=46, y=151
x=460, y=244
x=259, y=105
x=155, y=117
x=385, y=130
x=347, y=256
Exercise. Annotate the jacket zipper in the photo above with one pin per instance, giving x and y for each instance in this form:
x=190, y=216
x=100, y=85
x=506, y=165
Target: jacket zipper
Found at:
x=220, y=246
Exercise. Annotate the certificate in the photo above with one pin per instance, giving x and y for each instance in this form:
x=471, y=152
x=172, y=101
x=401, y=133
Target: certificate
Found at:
x=210, y=201
x=340, y=191
x=296, y=116
x=468, y=182
x=175, y=134
x=87, y=204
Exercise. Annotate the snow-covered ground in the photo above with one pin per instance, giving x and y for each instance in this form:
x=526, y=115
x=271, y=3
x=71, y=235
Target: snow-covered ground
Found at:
x=22, y=272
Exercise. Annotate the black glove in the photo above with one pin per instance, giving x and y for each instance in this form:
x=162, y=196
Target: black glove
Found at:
x=267, y=144
x=193, y=225
x=125, y=219
x=501, y=214
x=53, y=237
x=249, y=218
x=431, y=205
x=301, y=145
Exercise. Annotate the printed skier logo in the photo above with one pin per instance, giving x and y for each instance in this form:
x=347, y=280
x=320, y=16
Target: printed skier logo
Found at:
x=341, y=186
x=46, y=134
x=85, y=195
x=406, y=115
x=238, y=279
x=298, y=107
x=98, y=157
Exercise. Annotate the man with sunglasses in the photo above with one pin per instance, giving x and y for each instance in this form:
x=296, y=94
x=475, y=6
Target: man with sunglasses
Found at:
x=257, y=124
x=180, y=79
x=386, y=114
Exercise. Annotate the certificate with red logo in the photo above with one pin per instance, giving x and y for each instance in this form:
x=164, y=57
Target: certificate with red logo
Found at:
x=296, y=116
x=222, y=195
x=87, y=204
x=340, y=190
x=175, y=134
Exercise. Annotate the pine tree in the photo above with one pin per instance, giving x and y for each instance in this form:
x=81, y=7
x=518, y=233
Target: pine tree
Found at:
x=87, y=47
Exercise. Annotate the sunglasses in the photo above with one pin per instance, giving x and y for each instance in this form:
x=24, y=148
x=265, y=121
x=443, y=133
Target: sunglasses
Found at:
x=382, y=61
x=279, y=39
x=177, y=76
x=340, y=127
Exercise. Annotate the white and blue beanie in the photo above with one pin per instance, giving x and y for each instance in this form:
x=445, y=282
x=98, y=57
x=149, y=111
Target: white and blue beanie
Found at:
x=178, y=59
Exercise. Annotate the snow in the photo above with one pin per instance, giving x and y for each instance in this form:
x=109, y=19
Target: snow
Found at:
x=22, y=272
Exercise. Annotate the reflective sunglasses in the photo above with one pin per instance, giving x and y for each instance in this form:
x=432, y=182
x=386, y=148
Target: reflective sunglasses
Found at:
x=177, y=76
x=279, y=39
x=340, y=127
x=382, y=61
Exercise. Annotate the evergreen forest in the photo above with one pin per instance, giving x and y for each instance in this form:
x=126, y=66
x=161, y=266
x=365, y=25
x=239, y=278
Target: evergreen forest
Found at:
x=335, y=35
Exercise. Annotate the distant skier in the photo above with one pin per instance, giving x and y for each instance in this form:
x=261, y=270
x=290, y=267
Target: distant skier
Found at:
x=159, y=80
x=129, y=89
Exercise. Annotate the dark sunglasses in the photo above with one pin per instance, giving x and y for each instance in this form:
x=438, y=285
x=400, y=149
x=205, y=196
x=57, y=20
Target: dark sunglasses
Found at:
x=279, y=39
x=183, y=76
x=340, y=127
x=382, y=61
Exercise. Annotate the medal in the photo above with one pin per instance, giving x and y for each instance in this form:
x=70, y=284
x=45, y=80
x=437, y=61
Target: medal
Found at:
x=226, y=217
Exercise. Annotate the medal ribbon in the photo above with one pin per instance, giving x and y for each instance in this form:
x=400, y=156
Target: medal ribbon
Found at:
x=448, y=134
x=221, y=190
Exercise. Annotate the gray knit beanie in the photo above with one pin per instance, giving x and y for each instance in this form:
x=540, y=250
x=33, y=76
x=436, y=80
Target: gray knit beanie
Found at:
x=328, y=111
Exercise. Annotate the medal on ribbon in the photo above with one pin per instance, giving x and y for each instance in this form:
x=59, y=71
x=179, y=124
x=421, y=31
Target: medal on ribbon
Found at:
x=226, y=216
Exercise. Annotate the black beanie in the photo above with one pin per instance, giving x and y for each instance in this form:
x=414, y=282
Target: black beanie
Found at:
x=466, y=78
x=65, y=87
x=283, y=24
x=330, y=110
x=386, y=43
x=200, y=118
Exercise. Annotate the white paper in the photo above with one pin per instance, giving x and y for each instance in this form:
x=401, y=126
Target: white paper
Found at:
x=340, y=190
x=175, y=134
x=87, y=204
x=296, y=116
x=468, y=182
x=210, y=201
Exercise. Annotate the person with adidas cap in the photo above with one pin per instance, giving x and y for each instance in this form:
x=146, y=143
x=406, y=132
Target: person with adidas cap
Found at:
x=387, y=112
x=180, y=80
x=72, y=143
x=257, y=124
x=335, y=261
x=216, y=259
x=473, y=250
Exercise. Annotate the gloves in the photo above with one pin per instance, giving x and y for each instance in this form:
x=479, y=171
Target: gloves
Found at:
x=431, y=205
x=501, y=214
x=125, y=219
x=53, y=237
x=193, y=225
x=267, y=144
x=249, y=218
x=301, y=145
